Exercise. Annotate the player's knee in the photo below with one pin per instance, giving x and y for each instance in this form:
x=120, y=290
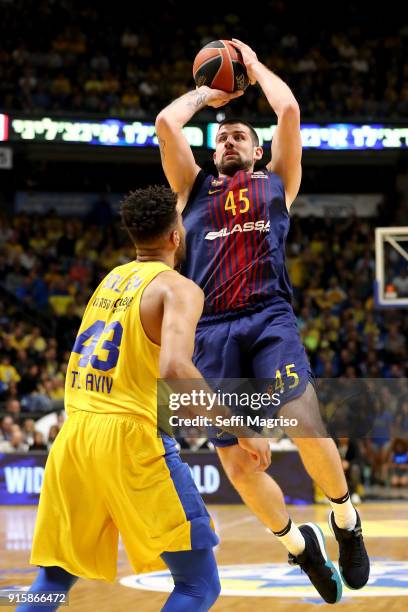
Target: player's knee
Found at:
x=237, y=471
x=202, y=591
x=305, y=411
x=237, y=465
x=196, y=579
x=213, y=591
x=309, y=424
x=240, y=477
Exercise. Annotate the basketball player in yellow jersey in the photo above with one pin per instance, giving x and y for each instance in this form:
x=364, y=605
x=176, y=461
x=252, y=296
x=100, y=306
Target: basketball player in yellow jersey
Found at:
x=108, y=471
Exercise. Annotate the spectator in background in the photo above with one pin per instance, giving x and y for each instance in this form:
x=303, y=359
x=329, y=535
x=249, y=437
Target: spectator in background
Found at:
x=80, y=271
x=28, y=259
x=51, y=364
x=38, y=442
x=395, y=344
x=37, y=401
x=55, y=388
x=23, y=362
x=66, y=243
x=380, y=441
x=397, y=463
x=35, y=341
x=14, y=277
x=18, y=338
x=8, y=372
x=60, y=296
x=29, y=383
x=29, y=430
x=35, y=291
x=13, y=408
x=401, y=420
x=16, y=442
x=129, y=40
x=6, y=427
x=388, y=397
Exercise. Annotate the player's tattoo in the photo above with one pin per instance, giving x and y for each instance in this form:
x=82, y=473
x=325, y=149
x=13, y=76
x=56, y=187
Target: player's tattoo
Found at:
x=194, y=99
x=197, y=99
x=162, y=146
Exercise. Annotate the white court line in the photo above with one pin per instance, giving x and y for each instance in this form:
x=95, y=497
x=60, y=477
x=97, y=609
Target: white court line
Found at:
x=246, y=519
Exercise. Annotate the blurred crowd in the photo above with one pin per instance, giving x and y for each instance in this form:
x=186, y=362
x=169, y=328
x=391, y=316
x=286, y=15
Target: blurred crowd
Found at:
x=61, y=57
x=332, y=266
x=24, y=434
x=49, y=267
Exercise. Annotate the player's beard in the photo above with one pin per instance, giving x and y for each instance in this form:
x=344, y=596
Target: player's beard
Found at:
x=230, y=165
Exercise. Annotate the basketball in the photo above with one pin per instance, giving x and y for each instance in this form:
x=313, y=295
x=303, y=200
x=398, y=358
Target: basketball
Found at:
x=219, y=65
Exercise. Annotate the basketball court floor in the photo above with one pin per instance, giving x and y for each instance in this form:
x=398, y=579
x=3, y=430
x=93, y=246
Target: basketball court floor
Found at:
x=253, y=568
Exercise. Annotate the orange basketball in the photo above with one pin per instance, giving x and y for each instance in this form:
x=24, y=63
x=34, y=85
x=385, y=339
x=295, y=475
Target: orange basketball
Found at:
x=219, y=65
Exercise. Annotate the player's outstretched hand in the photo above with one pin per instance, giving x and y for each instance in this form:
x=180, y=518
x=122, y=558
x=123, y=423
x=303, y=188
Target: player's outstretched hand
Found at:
x=217, y=97
x=249, y=56
x=259, y=450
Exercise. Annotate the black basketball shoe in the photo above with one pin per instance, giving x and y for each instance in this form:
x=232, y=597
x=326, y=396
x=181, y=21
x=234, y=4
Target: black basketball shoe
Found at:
x=315, y=562
x=353, y=559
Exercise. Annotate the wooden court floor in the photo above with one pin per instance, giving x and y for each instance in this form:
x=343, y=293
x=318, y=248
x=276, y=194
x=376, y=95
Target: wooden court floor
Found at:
x=244, y=541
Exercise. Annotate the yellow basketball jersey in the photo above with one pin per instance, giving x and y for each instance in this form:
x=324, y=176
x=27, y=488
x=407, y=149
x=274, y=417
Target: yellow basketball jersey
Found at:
x=114, y=366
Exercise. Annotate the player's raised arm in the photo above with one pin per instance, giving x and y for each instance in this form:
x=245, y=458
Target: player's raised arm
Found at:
x=177, y=157
x=287, y=143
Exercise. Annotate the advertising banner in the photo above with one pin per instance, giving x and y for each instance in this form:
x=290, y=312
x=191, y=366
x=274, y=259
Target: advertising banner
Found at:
x=21, y=477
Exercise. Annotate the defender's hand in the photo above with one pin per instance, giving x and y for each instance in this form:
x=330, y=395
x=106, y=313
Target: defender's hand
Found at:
x=259, y=450
x=249, y=56
x=217, y=97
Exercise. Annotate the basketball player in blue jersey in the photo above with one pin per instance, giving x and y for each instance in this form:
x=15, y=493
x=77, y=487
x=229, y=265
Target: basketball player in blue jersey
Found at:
x=237, y=223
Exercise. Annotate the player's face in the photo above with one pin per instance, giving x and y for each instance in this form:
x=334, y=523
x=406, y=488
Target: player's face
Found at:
x=234, y=149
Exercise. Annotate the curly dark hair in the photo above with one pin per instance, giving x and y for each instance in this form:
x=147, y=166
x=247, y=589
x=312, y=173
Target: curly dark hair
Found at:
x=148, y=213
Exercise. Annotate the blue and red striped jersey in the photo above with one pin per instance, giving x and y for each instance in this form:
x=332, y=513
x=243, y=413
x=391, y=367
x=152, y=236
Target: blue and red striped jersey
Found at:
x=236, y=231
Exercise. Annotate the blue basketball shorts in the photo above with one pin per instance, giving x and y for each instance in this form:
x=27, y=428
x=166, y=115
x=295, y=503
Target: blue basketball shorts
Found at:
x=262, y=344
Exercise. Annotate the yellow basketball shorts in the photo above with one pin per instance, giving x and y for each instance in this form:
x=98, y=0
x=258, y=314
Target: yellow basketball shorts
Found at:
x=109, y=474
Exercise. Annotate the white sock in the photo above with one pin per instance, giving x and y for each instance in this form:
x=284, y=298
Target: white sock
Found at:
x=344, y=512
x=291, y=538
